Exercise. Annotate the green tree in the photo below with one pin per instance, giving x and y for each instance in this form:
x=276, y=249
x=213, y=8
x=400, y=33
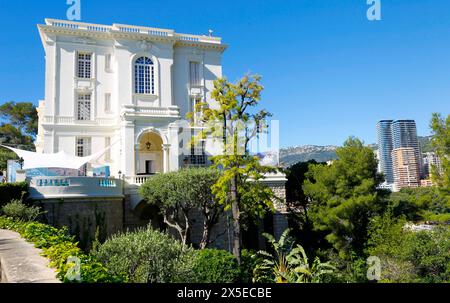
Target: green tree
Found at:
x=10, y=135
x=298, y=205
x=344, y=196
x=22, y=115
x=18, y=129
x=234, y=121
x=421, y=204
x=441, y=142
x=6, y=155
x=180, y=193
x=408, y=256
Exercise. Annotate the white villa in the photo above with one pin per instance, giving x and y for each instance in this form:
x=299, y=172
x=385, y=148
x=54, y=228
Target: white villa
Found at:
x=118, y=96
x=124, y=86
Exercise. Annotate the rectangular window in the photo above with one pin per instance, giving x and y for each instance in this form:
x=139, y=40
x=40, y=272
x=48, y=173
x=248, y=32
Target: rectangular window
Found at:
x=107, y=103
x=83, y=146
x=83, y=149
x=108, y=62
x=84, y=107
x=108, y=152
x=194, y=74
x=84, y=65
x=198, y=155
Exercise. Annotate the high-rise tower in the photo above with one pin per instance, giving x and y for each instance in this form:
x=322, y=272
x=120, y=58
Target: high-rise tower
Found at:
x=404, y=134
x=384, y=128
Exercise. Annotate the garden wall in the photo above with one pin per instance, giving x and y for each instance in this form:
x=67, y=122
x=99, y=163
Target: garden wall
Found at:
x=85, y=216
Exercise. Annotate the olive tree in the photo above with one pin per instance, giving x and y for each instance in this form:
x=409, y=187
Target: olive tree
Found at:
x=180, y=193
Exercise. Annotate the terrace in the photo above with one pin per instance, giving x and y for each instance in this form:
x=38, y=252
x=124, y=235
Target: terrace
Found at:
x=74, y=187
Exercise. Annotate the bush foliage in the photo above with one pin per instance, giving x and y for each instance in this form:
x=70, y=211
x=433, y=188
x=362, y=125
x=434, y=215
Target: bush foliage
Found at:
x=408, y=256
x=19, y=211
x=215, y=266
x=58, y=245
x=147, y=256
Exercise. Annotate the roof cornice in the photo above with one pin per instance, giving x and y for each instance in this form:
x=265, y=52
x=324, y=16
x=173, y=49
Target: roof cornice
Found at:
x=127, y=32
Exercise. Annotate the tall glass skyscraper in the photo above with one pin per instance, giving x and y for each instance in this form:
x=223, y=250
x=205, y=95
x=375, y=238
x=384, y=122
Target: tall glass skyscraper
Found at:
x=385, y=146
x=394, y=135
x=404, y=134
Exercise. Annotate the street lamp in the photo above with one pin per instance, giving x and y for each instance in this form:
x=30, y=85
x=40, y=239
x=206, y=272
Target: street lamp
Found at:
x=21, y=161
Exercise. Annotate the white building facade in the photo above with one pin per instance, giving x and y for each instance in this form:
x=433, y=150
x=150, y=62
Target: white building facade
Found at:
x=126, y=87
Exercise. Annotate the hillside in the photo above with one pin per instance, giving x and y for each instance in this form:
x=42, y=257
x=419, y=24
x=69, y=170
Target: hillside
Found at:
x=292, y=155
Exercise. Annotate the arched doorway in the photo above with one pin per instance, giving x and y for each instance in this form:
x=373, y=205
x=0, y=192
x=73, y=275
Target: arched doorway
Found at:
x=149, y=154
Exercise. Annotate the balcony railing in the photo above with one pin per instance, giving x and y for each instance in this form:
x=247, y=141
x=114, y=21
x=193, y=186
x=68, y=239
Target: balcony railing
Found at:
x=151, y=31
x=138, y=180
x=144, y=111
x=66, y=187
x=63, y=120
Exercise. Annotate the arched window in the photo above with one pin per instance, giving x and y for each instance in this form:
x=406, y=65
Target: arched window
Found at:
x=144, y=76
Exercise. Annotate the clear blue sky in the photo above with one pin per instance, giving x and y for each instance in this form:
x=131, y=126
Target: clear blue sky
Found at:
x=328, y=71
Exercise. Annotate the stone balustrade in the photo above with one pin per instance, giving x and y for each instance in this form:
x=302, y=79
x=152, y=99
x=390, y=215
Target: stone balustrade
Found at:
x=122, y=28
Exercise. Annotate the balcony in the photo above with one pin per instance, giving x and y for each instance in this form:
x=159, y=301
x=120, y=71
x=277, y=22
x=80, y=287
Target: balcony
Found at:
x=67, y=120
x=150, y=112
x=74, y=187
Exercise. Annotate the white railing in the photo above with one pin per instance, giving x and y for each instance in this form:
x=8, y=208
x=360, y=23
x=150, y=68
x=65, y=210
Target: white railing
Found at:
x=138, y=180
x=151, y=31
x=147, y=111
x=197, y=38
x=143, y=30
x=78, y=25
x=64, y=120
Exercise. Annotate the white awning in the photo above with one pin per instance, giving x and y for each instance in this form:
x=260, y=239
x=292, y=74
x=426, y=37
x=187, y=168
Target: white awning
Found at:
x=59, y=160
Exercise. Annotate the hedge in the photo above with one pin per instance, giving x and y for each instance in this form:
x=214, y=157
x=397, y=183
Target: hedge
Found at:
x=13, y=191
x=57, y=245
x=215, y=266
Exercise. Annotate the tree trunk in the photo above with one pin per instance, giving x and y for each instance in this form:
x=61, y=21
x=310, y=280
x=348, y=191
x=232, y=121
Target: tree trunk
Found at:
x=236, y=221
x=205, y=236
x=182, y=232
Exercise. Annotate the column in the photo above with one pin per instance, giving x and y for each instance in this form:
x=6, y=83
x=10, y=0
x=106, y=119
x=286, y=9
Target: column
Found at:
x=128, y=150
x=166, y=156
x=137, y=159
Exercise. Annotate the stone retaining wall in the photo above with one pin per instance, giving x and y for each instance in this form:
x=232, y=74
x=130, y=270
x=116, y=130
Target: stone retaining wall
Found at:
x=85, y=216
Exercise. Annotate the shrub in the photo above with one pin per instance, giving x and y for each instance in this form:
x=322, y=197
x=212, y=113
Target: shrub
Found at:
x=215, y=266
x=147, y=256
x=249, y=261
x=57, y=245
x=289, y=264
x=13, y=191
x=19, y=211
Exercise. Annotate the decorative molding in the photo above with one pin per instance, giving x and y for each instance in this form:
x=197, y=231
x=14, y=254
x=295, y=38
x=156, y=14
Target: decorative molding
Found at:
x=85, y=40
x=145, y=45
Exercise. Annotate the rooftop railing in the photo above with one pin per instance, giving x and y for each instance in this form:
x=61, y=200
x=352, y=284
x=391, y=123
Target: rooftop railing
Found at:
x=131, y=29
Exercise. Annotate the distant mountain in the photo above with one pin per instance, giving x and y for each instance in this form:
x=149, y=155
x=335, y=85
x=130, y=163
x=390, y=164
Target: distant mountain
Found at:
x=292, y=155
x=425, y=144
